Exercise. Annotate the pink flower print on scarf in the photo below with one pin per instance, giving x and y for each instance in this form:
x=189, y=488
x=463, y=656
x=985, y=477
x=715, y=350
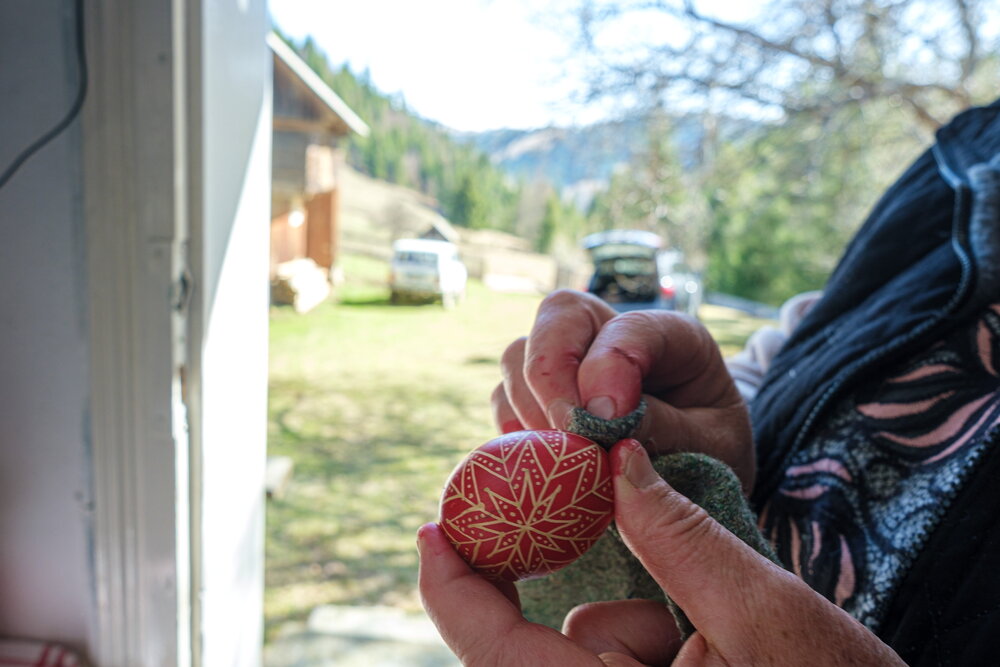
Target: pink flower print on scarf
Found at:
x=927, y=413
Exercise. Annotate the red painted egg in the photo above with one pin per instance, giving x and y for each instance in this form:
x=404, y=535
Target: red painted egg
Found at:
x=528, y=503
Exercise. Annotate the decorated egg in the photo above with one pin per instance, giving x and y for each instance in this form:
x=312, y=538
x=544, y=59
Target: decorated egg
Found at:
x=528, y=503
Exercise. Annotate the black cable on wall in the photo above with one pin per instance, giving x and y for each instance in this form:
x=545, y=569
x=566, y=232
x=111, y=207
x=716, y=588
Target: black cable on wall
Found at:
x=73, y=112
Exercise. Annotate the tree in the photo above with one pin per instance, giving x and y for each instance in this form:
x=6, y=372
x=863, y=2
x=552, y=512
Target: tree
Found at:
x=933, y=57
x=651, y=193
x=470, y=208
x=809, y=109
x=550, y=224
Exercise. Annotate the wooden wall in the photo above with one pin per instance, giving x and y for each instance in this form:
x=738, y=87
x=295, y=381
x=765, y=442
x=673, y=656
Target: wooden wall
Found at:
x=316, y=238
x=287, y=242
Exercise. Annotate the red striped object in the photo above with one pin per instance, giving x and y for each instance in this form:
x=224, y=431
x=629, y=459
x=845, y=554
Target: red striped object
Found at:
x=528, y=503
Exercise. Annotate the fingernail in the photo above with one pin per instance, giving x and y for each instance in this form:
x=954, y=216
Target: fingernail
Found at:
x=601, y=406
x=637, y=468
x=558, y=413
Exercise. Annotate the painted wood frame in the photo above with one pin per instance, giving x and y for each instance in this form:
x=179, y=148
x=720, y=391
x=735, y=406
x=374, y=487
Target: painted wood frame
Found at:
x=176, y=261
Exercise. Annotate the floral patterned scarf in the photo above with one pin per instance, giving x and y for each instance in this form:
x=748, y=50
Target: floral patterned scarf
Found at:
x=857, y=504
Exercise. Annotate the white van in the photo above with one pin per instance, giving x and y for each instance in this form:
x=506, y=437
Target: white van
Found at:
x=423, y=269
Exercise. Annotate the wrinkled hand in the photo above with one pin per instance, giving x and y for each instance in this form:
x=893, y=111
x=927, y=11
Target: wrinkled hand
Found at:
x=745, y=609
x=580, y=353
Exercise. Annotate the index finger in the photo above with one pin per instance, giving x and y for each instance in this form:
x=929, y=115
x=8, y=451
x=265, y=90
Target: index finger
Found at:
x=666, y=354
x=565, y=326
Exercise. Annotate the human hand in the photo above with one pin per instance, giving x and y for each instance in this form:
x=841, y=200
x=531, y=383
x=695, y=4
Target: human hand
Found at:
x=746, y=610
x=581, y=353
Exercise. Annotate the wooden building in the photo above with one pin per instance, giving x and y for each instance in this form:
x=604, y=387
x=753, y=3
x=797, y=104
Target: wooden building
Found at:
x=309, y=122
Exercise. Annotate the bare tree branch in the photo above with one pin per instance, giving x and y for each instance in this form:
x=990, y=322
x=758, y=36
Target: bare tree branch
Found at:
x=806, y=54
x=965, y=21
x=787, y=47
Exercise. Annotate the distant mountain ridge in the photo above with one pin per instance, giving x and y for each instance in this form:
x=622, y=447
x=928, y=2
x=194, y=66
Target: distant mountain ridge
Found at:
x=469, y=174
x=564, y=156
x=579, y=161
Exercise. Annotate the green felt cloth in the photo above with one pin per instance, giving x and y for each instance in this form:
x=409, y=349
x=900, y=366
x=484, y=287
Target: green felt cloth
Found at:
x=608, y=571
x=605, y=432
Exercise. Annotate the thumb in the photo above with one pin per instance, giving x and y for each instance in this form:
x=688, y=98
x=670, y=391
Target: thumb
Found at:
x=722, y=584
x=697, y=652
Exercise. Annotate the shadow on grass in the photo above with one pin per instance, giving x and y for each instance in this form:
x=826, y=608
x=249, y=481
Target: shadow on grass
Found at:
x=369, y=469
x=353, y=300
x=364, y=300
x=484, y=361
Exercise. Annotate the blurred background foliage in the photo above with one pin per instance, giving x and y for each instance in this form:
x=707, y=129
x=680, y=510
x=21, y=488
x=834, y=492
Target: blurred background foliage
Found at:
x=756, y=147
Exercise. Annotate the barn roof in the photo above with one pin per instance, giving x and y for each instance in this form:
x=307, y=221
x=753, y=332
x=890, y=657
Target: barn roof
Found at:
x=316, y=107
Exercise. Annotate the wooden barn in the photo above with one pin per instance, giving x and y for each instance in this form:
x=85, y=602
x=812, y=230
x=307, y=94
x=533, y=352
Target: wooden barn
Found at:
x=309, y=122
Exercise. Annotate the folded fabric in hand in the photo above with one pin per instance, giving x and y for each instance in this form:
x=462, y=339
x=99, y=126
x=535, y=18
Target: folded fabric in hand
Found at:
x=609, y=571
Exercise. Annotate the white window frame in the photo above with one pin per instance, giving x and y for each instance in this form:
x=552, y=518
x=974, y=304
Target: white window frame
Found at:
x=146, y=232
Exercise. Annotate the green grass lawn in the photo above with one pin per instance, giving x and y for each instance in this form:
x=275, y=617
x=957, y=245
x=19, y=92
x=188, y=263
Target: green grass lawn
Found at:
x=376, y=404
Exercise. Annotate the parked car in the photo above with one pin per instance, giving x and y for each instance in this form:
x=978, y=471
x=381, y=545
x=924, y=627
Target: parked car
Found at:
x=681, y=286
x=426, y=270
x=633, y=271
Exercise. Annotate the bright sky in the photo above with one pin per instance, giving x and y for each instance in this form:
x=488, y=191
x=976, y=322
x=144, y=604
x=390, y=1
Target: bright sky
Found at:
x=469, y=64
x=472, y=64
